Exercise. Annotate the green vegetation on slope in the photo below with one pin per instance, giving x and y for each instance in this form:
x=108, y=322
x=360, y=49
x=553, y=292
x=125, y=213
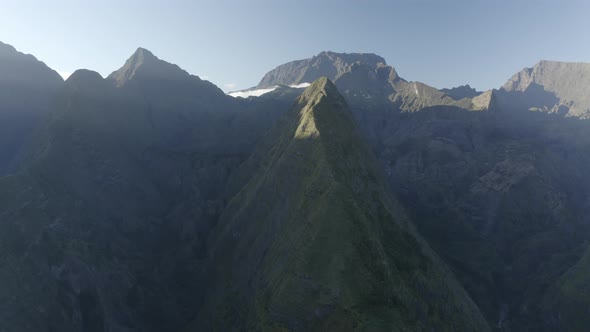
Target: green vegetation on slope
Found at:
x=314, y=242
x=568, y=304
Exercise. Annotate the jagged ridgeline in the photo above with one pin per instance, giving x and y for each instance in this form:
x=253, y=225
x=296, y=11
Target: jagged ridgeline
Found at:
x=103, y=227
x=493, y=180
x=153, y=201
x=313, y=241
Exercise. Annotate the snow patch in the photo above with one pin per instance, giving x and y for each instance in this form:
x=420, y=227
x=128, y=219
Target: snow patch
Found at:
x=300, y=85
x=260, y=92
x=251, y=93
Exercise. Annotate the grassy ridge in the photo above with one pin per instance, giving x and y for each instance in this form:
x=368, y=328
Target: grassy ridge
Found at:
x=313, y=242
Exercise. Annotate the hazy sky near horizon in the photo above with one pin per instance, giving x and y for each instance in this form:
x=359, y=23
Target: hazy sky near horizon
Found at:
x=234, y=43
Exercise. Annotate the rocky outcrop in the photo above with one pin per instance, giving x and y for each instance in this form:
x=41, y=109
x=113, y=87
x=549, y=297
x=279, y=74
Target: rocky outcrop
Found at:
x=551, y=86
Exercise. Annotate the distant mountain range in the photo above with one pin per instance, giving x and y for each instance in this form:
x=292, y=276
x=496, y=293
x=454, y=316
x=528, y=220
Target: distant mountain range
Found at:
x=333, y=196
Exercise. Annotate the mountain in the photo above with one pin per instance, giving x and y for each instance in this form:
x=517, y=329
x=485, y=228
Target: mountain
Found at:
x=25, y=70
x=460, y=92
x=314, y=241
x=150, y=200
x=329, y=64
x=103, y=226
x=498, y=195
x=373, y=89
x=499, y=199
x=144, y=65
x=362, y=77
x=478, y=186
x=551, y=86
x=27, y=86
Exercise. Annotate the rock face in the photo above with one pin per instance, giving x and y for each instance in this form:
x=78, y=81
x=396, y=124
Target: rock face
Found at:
x=26, y=89
x=554, y=87
x=328, y=64
x=314, y=241
x=507, y=188
x=460, y=92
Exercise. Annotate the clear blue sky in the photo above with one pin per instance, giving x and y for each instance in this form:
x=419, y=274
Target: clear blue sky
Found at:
x=233, y=43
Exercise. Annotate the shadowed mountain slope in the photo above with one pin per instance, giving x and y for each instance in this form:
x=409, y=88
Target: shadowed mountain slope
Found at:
x=103, y=227
x=27, y=86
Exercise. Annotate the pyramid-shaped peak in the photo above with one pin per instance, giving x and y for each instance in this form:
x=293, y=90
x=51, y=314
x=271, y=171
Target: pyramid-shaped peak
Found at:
x=322, y=102
x=141, y=50
x=322, y=85
x=142, y=54
x=144, y=65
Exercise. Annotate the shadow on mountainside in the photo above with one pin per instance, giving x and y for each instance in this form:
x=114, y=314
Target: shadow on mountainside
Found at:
x=502, y=196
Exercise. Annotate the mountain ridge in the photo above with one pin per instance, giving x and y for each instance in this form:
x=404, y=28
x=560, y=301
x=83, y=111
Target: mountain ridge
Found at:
x=326, y=63
x=320, y=231
x=144, y=64
x=370, y=202
x=553, y=87
x=118, y=177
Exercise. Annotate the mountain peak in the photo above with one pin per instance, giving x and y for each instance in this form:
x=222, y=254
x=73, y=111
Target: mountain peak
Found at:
x=323, y=86
x=546, y=70
x=85, y=74
x=322, y=102
x=5, y=48
x=329, y=64
x=462, y=91
x=143, y=64
x=86, y=82
x=142, y=55
x=549, y=84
